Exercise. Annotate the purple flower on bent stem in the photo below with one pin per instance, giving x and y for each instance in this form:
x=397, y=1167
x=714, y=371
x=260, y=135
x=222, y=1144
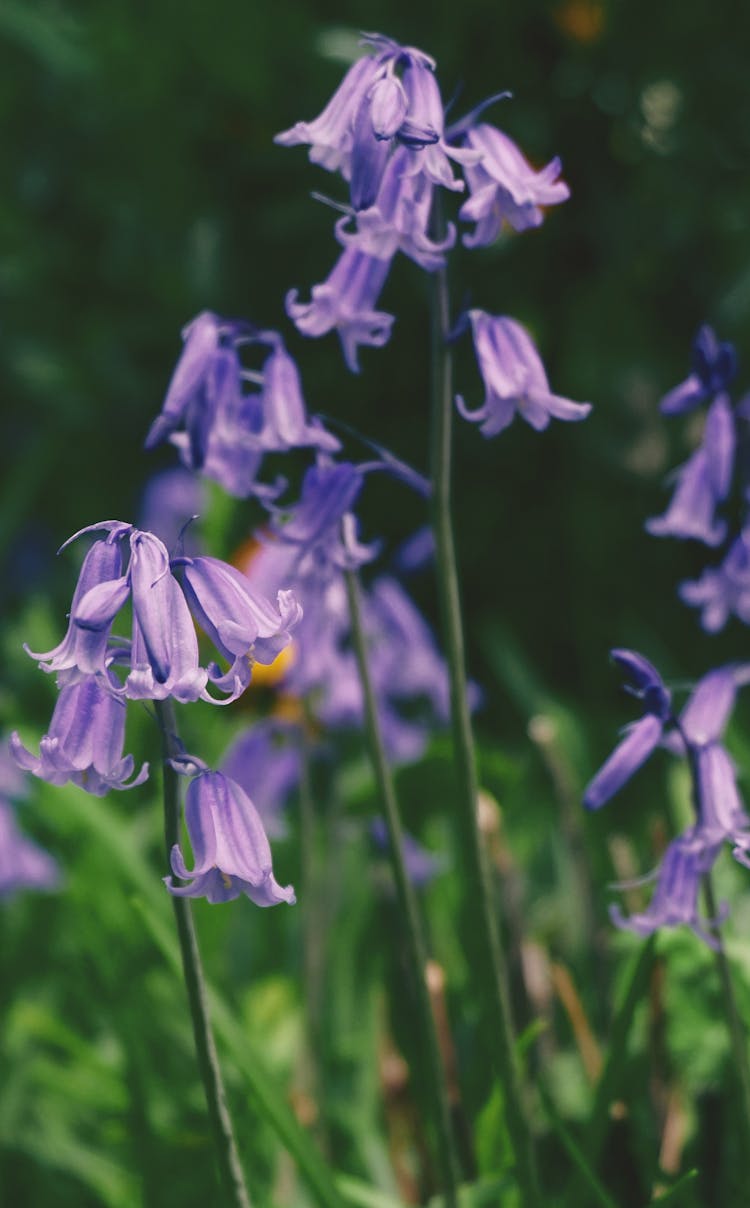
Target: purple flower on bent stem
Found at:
x=331, y=135
x=245, y=628
x=504, y=187
x=675, y=901
x=346, y=302
x=641, y=738
x=162, y=658
x=231, y=852
x=722, y=591
x=720, y=814
x=702, y=483
x=83, y=651
x=219, y=426
x=514, y=379
x=85, y=740
x=399, y=218
x=714, y=367
x=322, y=526
x=372, y=110
x=208, y=369
x=23, y=864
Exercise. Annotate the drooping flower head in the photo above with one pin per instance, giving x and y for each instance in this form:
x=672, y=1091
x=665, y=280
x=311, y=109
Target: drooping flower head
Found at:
x=231, y=852
x=675, y=900
x=84, y=744
x=390, y=97
x=514, y=379
x=504, y=187
x=722, y=591
x=161, y=658
x=346, y=303
x=714, y=365
x=399, y=218
x=217, y=418
x=702, y=483
x=321, y=527
x=720, y=815
x=643, y=681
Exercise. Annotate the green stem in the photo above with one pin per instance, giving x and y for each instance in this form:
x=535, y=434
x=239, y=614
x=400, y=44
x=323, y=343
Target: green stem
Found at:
x=407, y=900
x=737, y=1036
x=737, y=1033
x=313, y=928
x=480, y=899
x=232, y=1178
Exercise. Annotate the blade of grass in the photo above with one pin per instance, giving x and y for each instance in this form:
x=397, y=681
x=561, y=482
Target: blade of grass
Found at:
x=576, y=1155
x=675, y=1191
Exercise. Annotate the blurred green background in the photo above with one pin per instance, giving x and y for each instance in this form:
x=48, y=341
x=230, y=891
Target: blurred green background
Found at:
x=141, y=185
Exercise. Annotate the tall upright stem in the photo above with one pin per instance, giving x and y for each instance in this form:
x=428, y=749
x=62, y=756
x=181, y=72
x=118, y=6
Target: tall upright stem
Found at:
x=407, y=902
x=737, y=1032
x=230, y=1167
x=480, y=898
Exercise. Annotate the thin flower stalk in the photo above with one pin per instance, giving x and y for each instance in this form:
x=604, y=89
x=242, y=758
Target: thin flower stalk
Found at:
x=227, y=1155
x=737, y=1032
x=494, y=979
x=407, y=900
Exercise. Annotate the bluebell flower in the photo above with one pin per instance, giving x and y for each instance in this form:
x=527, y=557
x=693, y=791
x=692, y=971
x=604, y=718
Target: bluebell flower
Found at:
x=641, y=738
x=399, y=218
x=162, y=658
x=266, y=762
x=321, y=526
x=504, y=187
x=389, y=97
x=231, y=851
x=245, y=628
x=208, y=369
x=722, y=591
x=219, y=424
x=720, y=815
x=23, y=864
x=514, y=379
x=83, y=651
x=675, y=900
x=714, y=365
x=702, y=483
x=331, y=135
x=346, y=302
x=84, y=744
x=425, y=114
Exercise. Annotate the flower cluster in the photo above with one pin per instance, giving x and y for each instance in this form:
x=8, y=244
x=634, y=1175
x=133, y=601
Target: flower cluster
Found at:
x=98, y=671
x=220, y=426
x=696, y=733
x=705, y=481
x=235, y=397
x=384, y=131
x=311, y=543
